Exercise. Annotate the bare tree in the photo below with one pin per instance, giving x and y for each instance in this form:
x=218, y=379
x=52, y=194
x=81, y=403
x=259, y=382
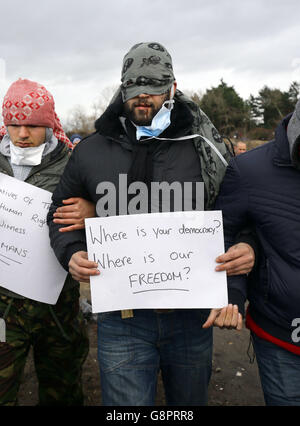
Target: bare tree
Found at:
x=100, y=105
x=82, y=122
x=79, y=122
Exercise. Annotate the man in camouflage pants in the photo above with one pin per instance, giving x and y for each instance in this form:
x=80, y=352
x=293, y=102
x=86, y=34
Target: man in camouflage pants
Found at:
x=56, y=333
x=59, y=350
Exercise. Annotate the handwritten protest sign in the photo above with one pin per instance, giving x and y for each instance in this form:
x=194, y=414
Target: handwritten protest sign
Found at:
x=160, y=260
x=28, y=265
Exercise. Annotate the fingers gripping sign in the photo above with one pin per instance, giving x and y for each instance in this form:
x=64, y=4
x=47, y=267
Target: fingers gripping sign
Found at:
x=239, y=259
x=227, y=317
x=81, y=268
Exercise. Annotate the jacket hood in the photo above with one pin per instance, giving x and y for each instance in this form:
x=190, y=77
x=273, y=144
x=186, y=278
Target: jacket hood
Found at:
x=110, y=122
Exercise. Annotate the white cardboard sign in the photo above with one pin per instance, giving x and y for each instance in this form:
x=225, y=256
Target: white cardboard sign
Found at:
x=28, y=265
x=160, y=260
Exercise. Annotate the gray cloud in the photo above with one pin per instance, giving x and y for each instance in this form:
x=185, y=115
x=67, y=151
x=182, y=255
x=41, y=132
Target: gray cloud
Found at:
x=79, y=45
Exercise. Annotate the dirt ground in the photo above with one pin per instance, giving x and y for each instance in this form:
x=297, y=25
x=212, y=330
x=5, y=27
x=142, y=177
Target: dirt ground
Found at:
x=234, y=381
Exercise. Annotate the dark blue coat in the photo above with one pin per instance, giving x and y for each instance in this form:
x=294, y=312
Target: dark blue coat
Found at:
x=262, y=188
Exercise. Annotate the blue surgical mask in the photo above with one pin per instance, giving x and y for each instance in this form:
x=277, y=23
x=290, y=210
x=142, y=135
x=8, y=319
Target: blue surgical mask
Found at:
x=160, y=122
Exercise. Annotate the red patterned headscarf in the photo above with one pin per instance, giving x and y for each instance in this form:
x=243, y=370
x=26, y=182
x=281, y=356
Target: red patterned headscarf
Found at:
x=29, y=103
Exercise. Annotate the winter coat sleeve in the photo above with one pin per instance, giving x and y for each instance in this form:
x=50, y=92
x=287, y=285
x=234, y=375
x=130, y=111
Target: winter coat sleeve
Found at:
x=233, y=201
x=70, y=185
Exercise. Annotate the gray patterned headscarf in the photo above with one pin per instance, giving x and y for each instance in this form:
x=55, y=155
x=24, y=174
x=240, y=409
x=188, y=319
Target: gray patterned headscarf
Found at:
x=147, y=68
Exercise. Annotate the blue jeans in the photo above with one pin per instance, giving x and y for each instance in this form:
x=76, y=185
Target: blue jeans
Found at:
x=279, y=372
x=132, y=351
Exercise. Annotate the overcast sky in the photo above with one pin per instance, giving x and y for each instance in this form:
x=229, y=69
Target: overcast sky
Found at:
x=75, y=47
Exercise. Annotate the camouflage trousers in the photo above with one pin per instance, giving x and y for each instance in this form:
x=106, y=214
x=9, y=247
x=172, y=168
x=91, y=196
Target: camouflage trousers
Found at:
x=60, y=345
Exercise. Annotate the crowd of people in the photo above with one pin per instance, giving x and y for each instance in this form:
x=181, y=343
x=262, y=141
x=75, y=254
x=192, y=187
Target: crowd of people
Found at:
x=152, y=132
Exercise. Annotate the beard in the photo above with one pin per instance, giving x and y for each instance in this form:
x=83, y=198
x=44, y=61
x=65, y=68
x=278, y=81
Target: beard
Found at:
x=142, y=111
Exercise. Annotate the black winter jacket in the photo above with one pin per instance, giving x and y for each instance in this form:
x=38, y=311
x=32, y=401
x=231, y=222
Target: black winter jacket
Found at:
x=107, y=153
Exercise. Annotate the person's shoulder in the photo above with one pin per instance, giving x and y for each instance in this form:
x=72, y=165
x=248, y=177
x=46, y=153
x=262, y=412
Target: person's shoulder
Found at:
x=90, y=139
x=89, y=142
x=257, y=152
x=254, y=162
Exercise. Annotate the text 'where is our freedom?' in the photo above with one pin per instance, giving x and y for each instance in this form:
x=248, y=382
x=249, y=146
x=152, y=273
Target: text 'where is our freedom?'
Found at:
x=157, y=261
